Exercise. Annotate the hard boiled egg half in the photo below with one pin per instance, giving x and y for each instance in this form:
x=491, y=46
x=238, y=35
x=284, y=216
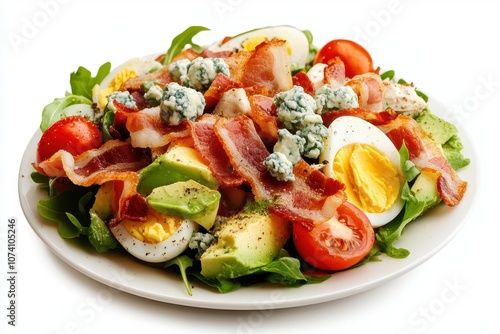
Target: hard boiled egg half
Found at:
x=158, y=239
x=362, y=157
x=112, y=82
x=297, y=42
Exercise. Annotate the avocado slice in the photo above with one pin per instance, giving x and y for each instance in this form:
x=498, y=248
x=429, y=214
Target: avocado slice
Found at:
x=436, y=128
x=446, y=135
x=424, y=188
x=178, y=164
x=186, y=199
x=245, y=241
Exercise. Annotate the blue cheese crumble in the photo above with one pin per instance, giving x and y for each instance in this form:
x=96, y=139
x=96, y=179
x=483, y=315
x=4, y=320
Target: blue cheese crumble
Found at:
x=123, y=97
x=178, y=68
x=328, y=99
x=279, y=167
x=293, y=105
x=180, y=103
x=202, y=71
x=314, y=135
x=290, y=145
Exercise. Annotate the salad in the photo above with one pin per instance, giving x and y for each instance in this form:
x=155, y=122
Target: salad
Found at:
x=259, y=158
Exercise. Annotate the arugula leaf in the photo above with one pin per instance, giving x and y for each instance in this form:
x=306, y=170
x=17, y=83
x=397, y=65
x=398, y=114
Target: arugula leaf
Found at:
x=222, y=284
x=107, y=122
x=82, y=81
x=184, y=262
x=389, y=75
x=181, y=40
x=284, y=270
x=65, y=210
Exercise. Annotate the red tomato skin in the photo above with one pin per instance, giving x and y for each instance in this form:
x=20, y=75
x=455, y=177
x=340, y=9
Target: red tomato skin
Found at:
x=316, y=254
x=356, y=58
x=74, y=134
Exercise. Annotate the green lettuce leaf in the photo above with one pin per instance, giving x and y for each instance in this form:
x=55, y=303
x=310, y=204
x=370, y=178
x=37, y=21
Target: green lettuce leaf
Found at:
x=56, y=110
x=82, y=81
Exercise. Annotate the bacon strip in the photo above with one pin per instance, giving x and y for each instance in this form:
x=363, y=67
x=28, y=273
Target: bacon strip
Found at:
x=268, y=66
x=219, y=86
x=301, y=79
x=376, y=118
x=147, y=129
x=115, y=161
x=370, y=90
x=207, y=143
x=334, y=73
x=425, y=154
x=311, y=198
x=263, y=113
x=160, y=77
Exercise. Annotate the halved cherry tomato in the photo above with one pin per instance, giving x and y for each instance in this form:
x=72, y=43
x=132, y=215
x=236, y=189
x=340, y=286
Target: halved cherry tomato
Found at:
x=356, y=59
x=74, y=134
x=338, y=243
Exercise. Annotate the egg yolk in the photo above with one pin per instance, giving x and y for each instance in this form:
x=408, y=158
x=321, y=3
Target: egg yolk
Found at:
x=251, y=43
x=115, y=84
x=155, y=229
x=372, y=181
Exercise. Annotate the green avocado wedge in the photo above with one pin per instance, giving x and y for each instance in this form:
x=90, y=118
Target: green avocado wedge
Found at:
x=178, y=164
x=187, y=199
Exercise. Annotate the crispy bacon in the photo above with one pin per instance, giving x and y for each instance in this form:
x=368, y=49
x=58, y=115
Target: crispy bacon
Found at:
x=334, y=73
x=219, y=86
x=263, y=113
x=115, y=161
x=370, y=90
x=376, y=118
x=311, y=198
x=160, y=77
x=146, y=128
x=426, y=155
x=207, y=143
x=215, y=54
x=268, y=66
x=301, y=79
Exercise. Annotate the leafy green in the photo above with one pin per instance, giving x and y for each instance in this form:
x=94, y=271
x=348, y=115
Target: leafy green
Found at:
x=181, y=40
x=55, y=110
x=184, y=262
x=410, y=171
x=387, y=75
x=82, y=81
x=65, y=209
x=414, y=207
x=107, y=122
x=259, y=205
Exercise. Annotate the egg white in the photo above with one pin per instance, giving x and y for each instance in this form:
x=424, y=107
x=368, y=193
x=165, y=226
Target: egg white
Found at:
x=141, y=66
x=296, y=38
x=347, y=130
x=158, y=252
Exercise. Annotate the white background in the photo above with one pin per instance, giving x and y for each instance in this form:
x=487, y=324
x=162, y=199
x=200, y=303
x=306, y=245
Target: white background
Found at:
x=448, y=48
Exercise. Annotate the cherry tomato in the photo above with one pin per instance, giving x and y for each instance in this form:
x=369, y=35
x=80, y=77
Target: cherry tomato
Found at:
x=338, y=243
x=356, y=59
x=74, y=134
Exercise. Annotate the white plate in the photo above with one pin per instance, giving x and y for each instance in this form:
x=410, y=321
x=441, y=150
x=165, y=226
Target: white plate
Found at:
x=424, y=237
